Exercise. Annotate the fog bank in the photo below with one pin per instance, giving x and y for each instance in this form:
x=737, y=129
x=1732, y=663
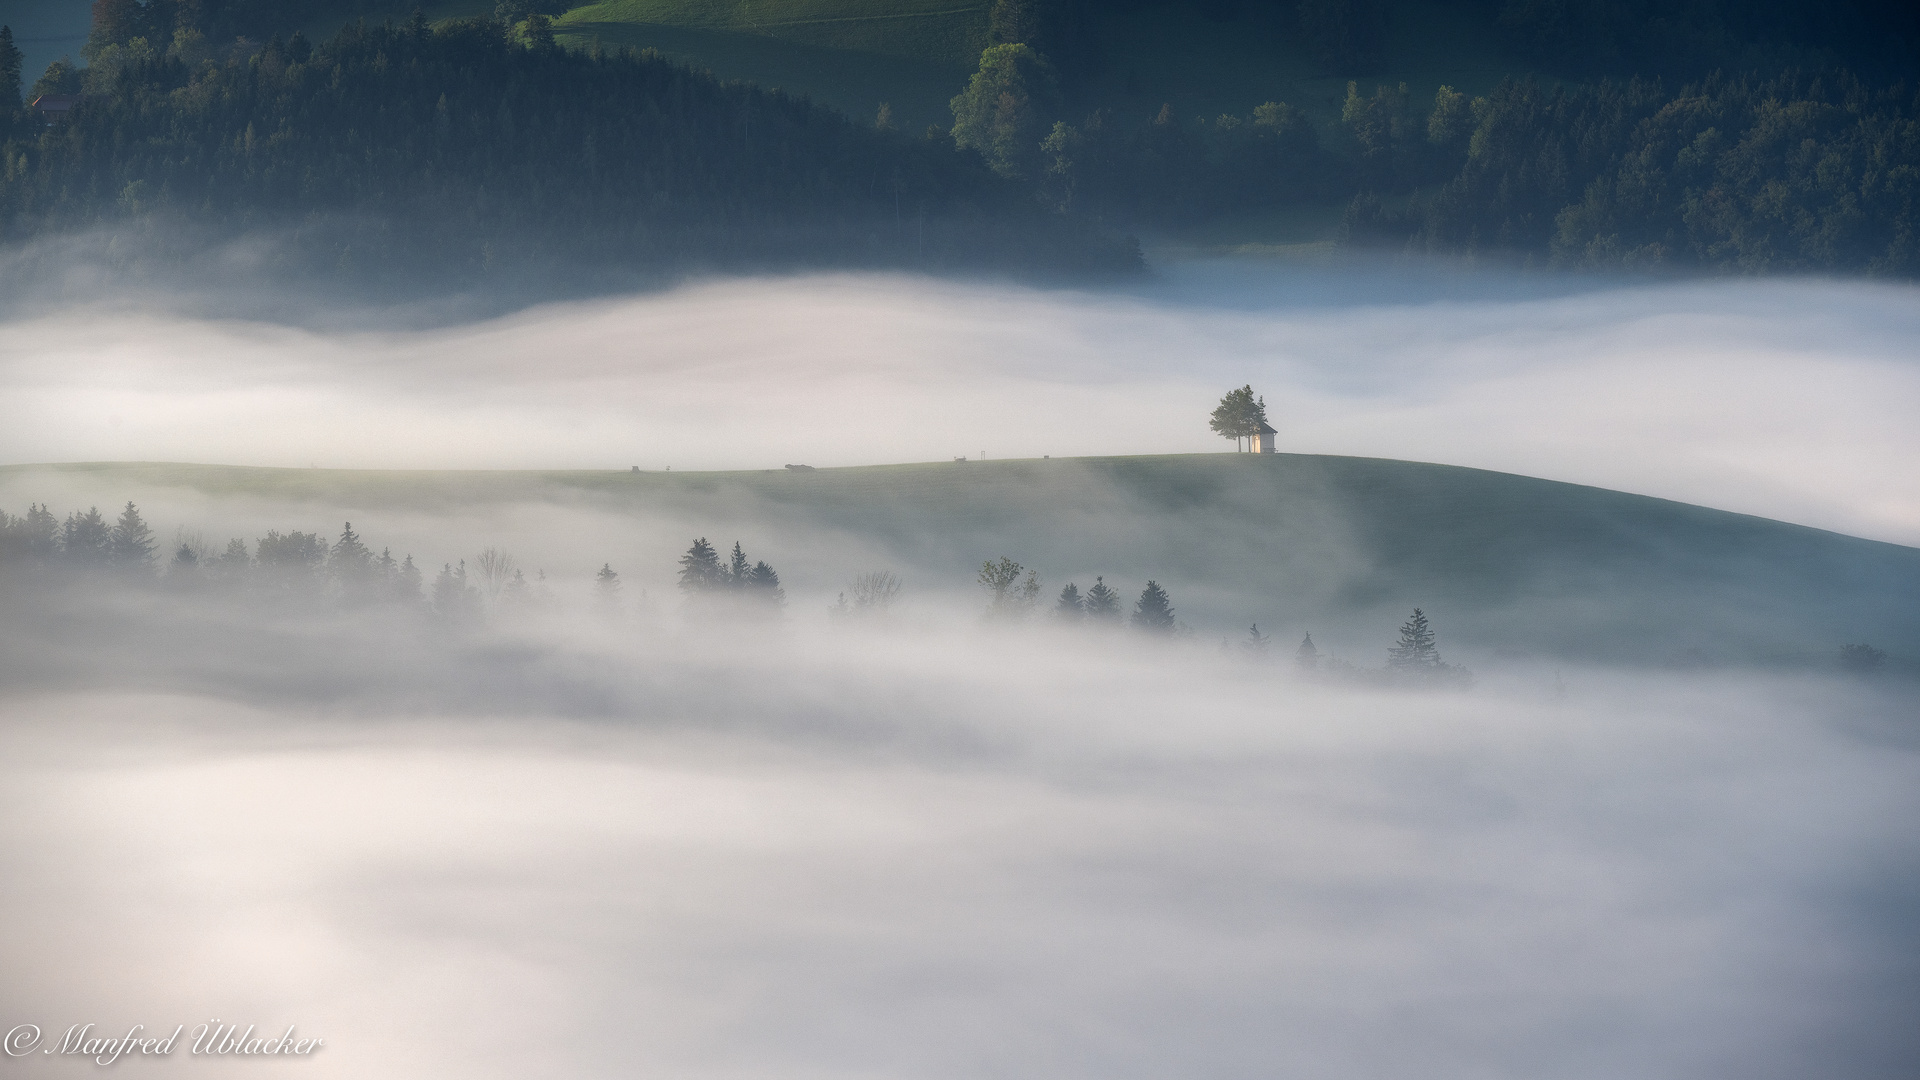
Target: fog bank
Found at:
x=1785, y=398
x=940, y=853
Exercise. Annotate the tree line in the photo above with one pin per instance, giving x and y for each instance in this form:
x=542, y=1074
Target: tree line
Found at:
x=1806, y=170
x=469, y=146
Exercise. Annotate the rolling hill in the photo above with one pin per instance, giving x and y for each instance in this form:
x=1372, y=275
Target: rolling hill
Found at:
x=1509, y=567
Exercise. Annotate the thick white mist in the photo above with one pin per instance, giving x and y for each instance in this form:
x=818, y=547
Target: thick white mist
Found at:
x=1788, y=399
x=942, y=854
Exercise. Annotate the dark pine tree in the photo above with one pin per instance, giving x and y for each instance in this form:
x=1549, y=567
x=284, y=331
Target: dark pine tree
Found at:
x=86, y=540
x=1154, y=611
x=1102, y=603
x=700, y=569
x=130, y=544
x=1307, y=657
x=1416, y=653
x=1069, y=607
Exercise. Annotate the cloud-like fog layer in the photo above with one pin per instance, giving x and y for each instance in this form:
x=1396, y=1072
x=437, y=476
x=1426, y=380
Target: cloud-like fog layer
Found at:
x=580, y=843
x=1789, y=399
x=937, y=854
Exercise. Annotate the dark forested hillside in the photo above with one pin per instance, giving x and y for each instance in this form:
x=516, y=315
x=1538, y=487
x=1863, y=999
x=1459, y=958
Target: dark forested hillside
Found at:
x=461, y=147
x=1775, y=135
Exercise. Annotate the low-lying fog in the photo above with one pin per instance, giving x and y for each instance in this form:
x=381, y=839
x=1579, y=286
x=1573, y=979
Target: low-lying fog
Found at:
x=620, y=845
x=609, y=841
x=1789, y=399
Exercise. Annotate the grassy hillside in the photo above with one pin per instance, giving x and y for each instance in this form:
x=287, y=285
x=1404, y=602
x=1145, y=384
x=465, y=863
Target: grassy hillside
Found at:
x=1507, y=565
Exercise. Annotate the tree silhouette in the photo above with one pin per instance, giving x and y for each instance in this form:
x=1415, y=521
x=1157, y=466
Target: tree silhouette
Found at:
x=1102, y=604
x=700, y=569
x=606, y=586
x=86, y=539
x=1069, y=607
x=1239, y=415
x=1307, y=657
x=1416, y=653
x=1009, y=595
x=1154, y=611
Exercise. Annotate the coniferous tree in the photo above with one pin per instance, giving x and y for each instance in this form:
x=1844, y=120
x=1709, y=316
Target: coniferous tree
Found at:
x=10, y=61
x=516, y=593
x=1415, y=653
x=762, y=585
x=407, y=583
x=606, y=586
x=700, y=569
x=1256, y=643
x=33, y=538
x=86, y=540
x=185, y=566
x=1069, y=607
x=454, y=599
x=233, y=567
x=291, y=564
x=1307, y=657
x=130, y=544
x=351, y=565
x=1154, y=611
x=738, y=570
x=1102, y=603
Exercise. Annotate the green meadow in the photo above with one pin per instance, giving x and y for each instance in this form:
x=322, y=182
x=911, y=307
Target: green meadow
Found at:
x=1509, y=566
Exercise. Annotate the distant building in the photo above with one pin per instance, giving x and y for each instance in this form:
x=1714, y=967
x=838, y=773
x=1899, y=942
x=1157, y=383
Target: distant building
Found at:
x=52, y=107
x=1263, y=439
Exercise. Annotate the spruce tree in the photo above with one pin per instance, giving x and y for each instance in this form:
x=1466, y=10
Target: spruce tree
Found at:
x=738, y=570
x=1102, y=604
x=408, y=582
x=1068, y=608
x=762, y=586
x=517, y=593
x=454, y=599
x=351, y=566
x=1415, y=654
x=86, y=539
x=10, y=63
x=185, y=566
x=1256, y=643
x=606, y=586
x=700, y=569
x=1307, y=657
x=233, y=567
x=1154, y=611
x=131, y=542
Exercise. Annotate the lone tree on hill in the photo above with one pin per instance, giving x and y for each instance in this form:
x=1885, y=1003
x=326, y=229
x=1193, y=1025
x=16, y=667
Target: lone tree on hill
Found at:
x=1154, y=612
x=1239, y=415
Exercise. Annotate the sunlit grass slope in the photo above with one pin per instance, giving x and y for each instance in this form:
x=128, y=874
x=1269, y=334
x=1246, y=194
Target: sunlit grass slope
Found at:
x=1507, y=565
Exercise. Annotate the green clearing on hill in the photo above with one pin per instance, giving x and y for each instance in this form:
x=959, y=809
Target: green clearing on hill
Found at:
x=1506, y=565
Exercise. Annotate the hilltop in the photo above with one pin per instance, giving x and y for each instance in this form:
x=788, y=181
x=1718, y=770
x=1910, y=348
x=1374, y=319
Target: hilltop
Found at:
x=1506, y=565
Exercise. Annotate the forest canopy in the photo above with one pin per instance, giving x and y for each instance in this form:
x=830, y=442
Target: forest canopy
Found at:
x=394, y=149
